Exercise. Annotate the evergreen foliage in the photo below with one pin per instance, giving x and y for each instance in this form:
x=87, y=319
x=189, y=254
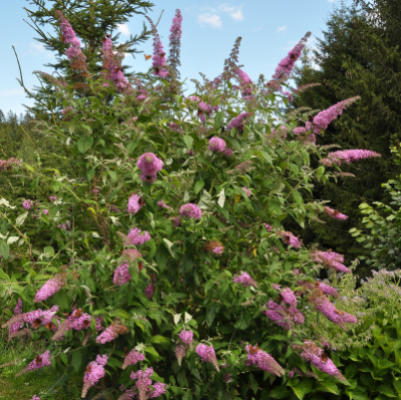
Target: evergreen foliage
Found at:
x=356, y=56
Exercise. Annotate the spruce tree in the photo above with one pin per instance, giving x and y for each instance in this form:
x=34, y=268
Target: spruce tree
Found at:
x=354, y=58
x=92, y=21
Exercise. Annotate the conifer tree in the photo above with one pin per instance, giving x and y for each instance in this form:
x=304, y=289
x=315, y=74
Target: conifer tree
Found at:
x=92, y=21
x=355, y=57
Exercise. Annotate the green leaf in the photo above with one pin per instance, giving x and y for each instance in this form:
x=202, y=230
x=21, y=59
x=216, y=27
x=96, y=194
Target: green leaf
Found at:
x=386, y=390
x=198, y=186
x=64, y=359
x=4, y=276
x=4, y=250
x=76, y=360
x=218, y=119
x=85, y=143
x=113, y=176
x=280, y=392
x=253, y=382
x=21, y=219
x=297, y=197
x=158, y=339
x=189, y=141
x=49, y=251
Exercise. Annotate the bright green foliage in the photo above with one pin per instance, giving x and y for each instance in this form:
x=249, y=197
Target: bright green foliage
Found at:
x=355, y=58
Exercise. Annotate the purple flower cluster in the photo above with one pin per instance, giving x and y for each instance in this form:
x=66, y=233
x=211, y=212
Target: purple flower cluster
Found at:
x=238, y=122
x=17, y=311
x=135, y=203
x=144, y=385
x=299, y=131
x=39, y=362
x=286, y=65
x=132, y=358
x=330, y=259
x=316, y=356
x=245, y=280
x=94, y=372
x=112, y=63
x=207, y=354
x=136, y=237
x=73, y=52
x=290, y=238
x=245, y=83
x=191, y=211
x=286, y=313
x=27, y=204
x=162, y=204
x=247, y=191
x=149, y=291
x=263, y=360
x=7, y=165
x=217, y=144
x=322, y=120
x=334, y=213
x=159, y=56
x=51, y=287
x=150, y=165
x=347, y=156
x=121, y=274
x=175, y=41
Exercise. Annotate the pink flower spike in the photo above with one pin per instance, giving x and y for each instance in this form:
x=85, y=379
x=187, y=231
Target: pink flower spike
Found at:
x=187, y=337
x=175, y=42
x=245, y=83
x=207, y=354
x=268, y=227
x=35, y=397
x=51, y=287
x=94, y=372
x=162, y=204
x=348, y=156
x=263, y=360
x=39, y=362
x=180, y=352
x=136, y=237
x=217, y=144
x=149, y=291
x=132, y=358
x=159, y=55
x=299, y=130
x=245, y=280
x=334, y=213
x=150, y=165
x=121, y=274
x=27, y=204
x=238, y=122
x=288, y=297
x=316, y=356
x=17, y=311
x=247, y=191
x=291, y=239
x=191, y=211
x=286, y=65
x=135, y=203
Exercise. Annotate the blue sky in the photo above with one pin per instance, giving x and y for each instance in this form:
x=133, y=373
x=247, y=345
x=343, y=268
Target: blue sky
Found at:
x=269, y=29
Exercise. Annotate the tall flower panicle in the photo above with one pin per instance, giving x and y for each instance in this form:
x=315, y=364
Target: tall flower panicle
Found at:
x=247, y=191
x=159, y=55
x=131, y=255
x=217, y=144
x=94, y=372
x=144, y=385
x=207, y=354
x=150, y=165
x=204, y=110
x=7, y=165
x=187, y=337
x=35, y=318
x=149, y=290
x=35, y=397
x=326, y=289
x=191, y=211
x=245, y=83
x=330, y=259
x=323, y=304
x=17, y=311
x=74, y=52
x=286, y=65
x=290, y=238
x=121, y=274
x=137, y=237
x=112, y=64
x=180, y=352
x=263, y=360
x=238, y=122
x=299, y=131
x=348, y=156
x=288, y=296
x=39, y=362
x=132, y=358
x=51, y=287
x=135, y=203
x=245, y=280
x=317, y=357
x=111, y=333
x=334, y=213
x=284, y=315
x=162, y=204
x=322, y=120
x=27, y=204
x=175, y=42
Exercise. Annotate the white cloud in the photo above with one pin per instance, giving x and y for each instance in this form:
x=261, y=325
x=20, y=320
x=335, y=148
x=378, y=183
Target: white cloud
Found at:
x=123, y=28
x=212, y=20
x=38, y=46
x=12, y=92
x=331, y=1
x=234, y=12
x=282, y=28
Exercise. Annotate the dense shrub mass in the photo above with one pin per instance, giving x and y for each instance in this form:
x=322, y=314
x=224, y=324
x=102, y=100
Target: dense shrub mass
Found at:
x=159, y=263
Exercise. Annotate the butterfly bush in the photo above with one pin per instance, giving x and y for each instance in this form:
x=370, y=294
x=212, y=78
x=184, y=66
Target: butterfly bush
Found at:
x=154, y=227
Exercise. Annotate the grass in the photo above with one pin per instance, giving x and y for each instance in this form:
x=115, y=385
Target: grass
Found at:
x=27, y=385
